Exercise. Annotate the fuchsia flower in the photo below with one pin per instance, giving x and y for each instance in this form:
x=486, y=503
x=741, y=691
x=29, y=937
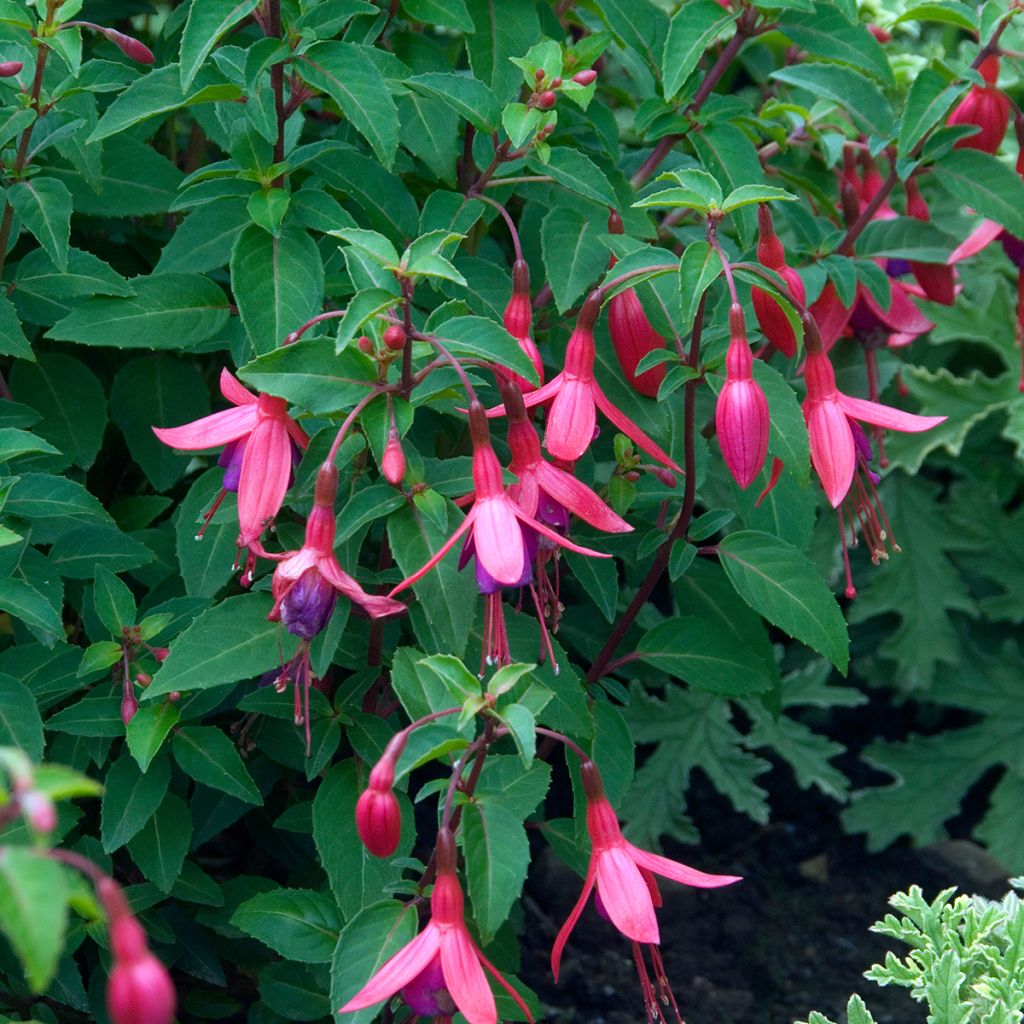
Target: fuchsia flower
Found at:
x=518, y=320
x=623, y=874
x=261, y=439
x=575, y=397
x=770, y=317
x=496, y=524
x=442, y=969
x=741, y=414
x=829, y=415
x=986, y=107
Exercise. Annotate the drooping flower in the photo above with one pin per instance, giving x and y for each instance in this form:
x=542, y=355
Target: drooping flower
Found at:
x=501, y=536
x=770, y=317
x=576, y=396
x=623, y=874
x=305, y=588
x=829, y=415
x=261, y=439
x=518, y=320
x=442, y=969
x=139, y=989
x=985, y=106
x=741, y=413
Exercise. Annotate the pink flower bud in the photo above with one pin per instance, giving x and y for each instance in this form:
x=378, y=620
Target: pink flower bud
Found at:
x=394, y=338
x=741, y=415
x=365, y=344
x=130, y=46
x=392, y=465
x=518, y=320
x=547, y=100
x=128, y=708
x=9, y=68
x=986, y=107
x=771, y=319
x=160, y=653
x=633, y=337
x=379, y=821
x=139, y=990
x=585, y=77
x=143, y=679
x=39, y=810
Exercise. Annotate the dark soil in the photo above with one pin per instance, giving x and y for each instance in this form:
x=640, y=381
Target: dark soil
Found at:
x=791, y=938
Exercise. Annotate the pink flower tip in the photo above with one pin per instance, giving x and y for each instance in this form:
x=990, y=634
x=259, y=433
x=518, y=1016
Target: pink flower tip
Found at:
x=9, y=68
x=130, y=46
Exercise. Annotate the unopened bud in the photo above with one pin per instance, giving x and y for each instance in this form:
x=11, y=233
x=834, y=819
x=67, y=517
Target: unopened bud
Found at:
x=392, y=465
x=128, y=708
x=160, y=653
x=9, y=68
x=130, y=46
x=143, y=678
x=394, y=338
x=547, y=100
x=379, y=821
x=39, y=810
x=539, y=75
x=664, y=476
x=365, y=344
x=632, y=476
x=556, y=82
x=174, y=696
x=585, y=77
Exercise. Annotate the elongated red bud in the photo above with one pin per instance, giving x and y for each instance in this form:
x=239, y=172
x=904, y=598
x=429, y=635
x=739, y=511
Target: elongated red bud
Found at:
x=365, y=344
x=741, y=414
x=938, y=280
x=130, y=46
x=585, y=77
x=378, y=816
x=518, y=320
x=986, y=107
x=633, y=337
x=326, y=485
x=9, y=68
x=392, y=465
x=771, y=318
x=129, y=706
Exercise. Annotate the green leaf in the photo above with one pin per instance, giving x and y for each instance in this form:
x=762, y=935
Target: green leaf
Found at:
x=12, y=336
x=694, y=28
x=499, y=34
x=14, y=442
x=827, y=35
x=699, y=268
x=91, y=716
x=485, y=339
x=854, y=92
x=450, y=13
x=71, y=401
x=704, y=656
x=986, y=184
x=206, y=563
x=781, y=583
x=578, y=173
x=521, y=123
x=905, y=238
x=148, y=729
x=299, y=924
x=497, y=856
x=928, y=102
x=157, y=391
x=113, y=601
x=77, y=552
x=943, y=990
x=44, y=207
x=229, y=642
x=747, y=195
x=33, y=911
x=787, y=438
x=347, y=74
x=278, y=283
x=949, y=12
x=203, y=241
x=159, y=849
x=522, y=726
x=33, y=592
x=168, y=311
x=310, y=375
x=208, y=20
x=369, y=939
x=363, y=307
x=130, y=799
x=467, y=96
x=20, y=723
x=574, y=256
x=205, y=754
x=99, y=656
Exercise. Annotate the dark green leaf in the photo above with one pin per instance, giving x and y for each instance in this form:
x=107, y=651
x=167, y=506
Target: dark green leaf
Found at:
x=695, y=26
x=44, y=206
x=209, y=757
x=467, y=96
x=299, y=924
x=130, y=799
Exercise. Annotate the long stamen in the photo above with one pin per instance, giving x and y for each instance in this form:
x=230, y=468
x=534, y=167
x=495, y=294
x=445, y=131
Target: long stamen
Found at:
x=651, y=1007
x=851, y=590
x=664, y=988
x=545, y=638
x=210, y=513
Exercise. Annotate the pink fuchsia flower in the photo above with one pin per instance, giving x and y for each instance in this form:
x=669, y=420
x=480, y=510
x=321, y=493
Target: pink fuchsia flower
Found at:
x=261, y=438
x=741, y=413
x=986, y=107
x=576, y=396
x=442, y=969
x=518, y=320
x=770, y=317
x=623, y=875
x=830, y=417
x=496, y=524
